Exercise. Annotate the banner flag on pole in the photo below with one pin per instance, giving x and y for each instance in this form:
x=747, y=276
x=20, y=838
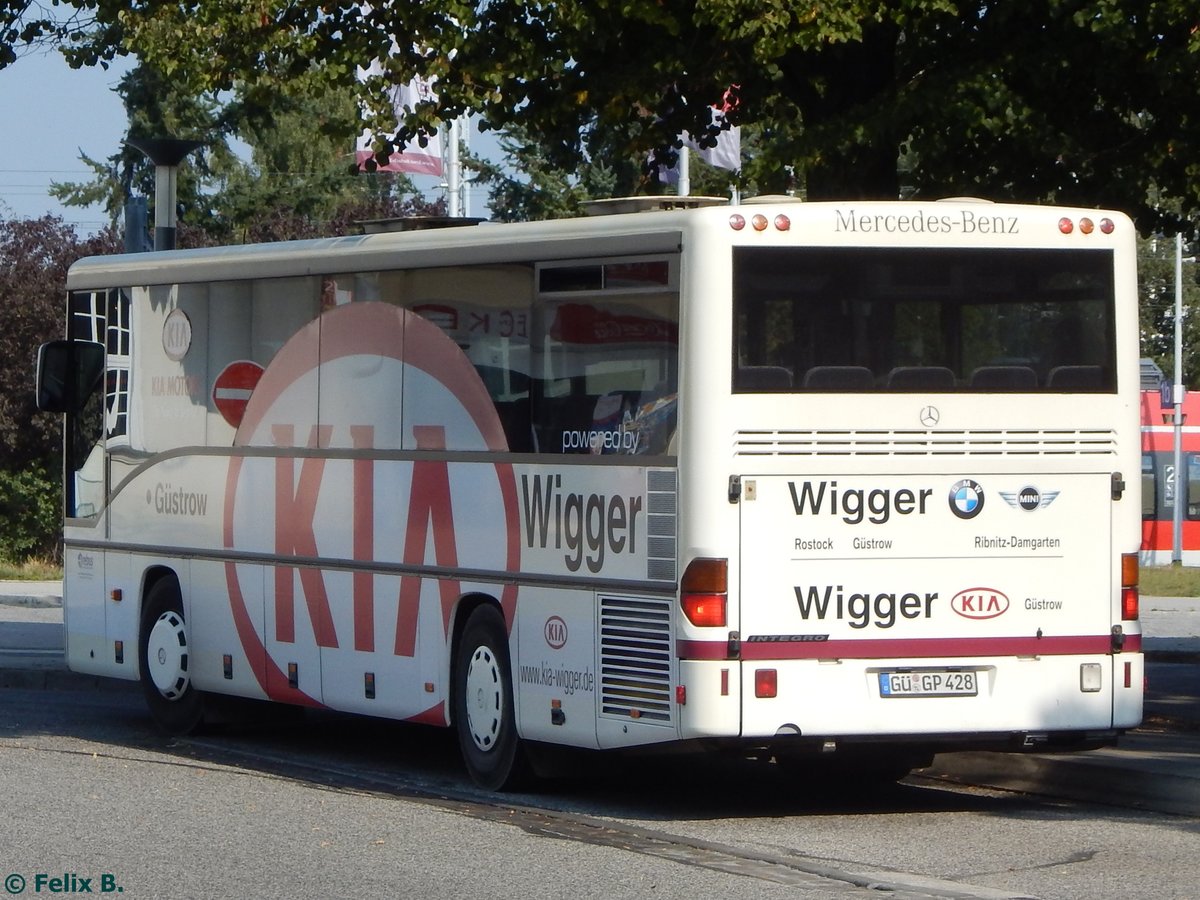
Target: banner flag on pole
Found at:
x=412, y=157
x=726, y=154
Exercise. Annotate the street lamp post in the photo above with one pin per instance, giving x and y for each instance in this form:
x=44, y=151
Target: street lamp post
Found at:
x=1177, y=398
x=166, y=154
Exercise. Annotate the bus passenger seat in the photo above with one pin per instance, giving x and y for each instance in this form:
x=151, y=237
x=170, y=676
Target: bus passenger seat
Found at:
x=1075, y=377
x=839, y=378
x=920, y=378
x=1004, y=378
x=763, y=379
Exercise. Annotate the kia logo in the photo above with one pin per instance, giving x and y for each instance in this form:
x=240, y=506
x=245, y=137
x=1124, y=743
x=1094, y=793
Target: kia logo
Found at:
x=555, y=631
x=979, y=603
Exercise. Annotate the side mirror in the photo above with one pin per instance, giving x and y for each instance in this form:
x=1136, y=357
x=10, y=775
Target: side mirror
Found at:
x=67, y=374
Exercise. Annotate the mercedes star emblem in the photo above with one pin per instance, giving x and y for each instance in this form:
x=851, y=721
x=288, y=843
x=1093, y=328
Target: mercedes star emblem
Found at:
x=930, y=416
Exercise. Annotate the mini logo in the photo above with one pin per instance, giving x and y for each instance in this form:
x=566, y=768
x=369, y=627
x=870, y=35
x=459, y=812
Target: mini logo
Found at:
x=1029, y=498
x=555, y=631
x=930, y=416
x=966, y=499
x=979, y=603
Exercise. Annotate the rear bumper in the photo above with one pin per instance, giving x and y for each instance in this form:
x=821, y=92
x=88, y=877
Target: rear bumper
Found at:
x=841, y=699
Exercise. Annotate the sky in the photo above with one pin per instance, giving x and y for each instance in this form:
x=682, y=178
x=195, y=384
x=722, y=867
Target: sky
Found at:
x=50, y=114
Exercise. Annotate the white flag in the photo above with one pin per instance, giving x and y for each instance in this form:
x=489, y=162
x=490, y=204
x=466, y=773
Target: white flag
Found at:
x=727, y=154
x=412, y=157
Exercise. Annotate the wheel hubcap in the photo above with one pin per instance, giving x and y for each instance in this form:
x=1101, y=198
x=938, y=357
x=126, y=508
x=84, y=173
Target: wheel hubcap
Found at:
x=167, y=655
x=485, y=698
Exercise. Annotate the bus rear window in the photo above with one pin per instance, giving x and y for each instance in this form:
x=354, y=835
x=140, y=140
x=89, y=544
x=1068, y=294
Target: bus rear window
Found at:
x=848, y=319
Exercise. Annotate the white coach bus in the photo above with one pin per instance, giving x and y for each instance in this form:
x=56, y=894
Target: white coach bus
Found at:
x=856, y=481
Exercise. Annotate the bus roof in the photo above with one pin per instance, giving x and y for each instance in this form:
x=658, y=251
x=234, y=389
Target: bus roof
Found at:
x=659, y=231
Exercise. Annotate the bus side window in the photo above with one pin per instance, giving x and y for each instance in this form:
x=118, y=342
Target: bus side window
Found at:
x=605, y=361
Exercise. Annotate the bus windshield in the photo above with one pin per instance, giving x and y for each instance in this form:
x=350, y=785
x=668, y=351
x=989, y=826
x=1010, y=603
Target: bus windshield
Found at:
x=832, y=319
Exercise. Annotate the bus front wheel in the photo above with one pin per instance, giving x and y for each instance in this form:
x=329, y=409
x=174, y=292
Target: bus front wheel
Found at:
x=483, y=704
x=165, y=660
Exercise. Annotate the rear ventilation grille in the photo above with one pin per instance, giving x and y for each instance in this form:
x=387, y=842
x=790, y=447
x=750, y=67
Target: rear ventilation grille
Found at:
x=1066, y=442
x=635, y=659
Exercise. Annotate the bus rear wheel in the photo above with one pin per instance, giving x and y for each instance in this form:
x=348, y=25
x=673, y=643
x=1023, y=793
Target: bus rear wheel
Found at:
x=165, y=661
x=483, y=704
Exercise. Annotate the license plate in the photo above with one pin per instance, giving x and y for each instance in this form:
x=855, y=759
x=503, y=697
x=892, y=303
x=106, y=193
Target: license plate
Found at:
x=928, y=683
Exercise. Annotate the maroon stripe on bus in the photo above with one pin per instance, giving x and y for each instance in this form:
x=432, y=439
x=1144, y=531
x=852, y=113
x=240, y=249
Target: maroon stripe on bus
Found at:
x=940, y=648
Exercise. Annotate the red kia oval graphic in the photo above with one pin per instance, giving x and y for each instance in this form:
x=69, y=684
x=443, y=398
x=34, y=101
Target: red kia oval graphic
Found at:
x=556, y=633
x=979, y=603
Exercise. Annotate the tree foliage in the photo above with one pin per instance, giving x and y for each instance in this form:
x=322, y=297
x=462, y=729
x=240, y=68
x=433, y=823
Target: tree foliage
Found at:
x=298, y=182
x=155, y=107
x=1072, y=101
x=34, y=257
x=1156, y=290
x=524, y=186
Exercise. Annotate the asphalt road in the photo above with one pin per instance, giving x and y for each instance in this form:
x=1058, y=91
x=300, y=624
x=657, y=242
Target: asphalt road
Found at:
x=335, y=806
x=1156, y=767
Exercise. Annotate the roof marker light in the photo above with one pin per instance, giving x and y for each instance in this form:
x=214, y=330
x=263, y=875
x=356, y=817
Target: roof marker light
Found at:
x=1086, y=226
x=782, y=222
x=737, y=222
x=1065, y=225
x=759, y=222
x=1107, y=226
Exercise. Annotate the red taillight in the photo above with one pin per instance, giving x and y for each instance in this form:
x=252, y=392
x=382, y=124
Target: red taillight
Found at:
x=703, y=591
x=1129, y=587
x=705, y=609
x=766, y=683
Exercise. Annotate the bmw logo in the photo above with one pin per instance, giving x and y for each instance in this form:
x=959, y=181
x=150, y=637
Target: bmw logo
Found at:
x=966, y=499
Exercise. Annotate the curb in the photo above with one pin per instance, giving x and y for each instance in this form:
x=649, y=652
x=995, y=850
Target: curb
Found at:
x=1172, y=656
x=43, y=601
x=62, y=680
x=1088, y=780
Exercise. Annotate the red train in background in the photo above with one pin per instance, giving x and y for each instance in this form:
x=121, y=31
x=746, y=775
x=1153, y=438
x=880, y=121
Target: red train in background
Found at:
x=1160, y=486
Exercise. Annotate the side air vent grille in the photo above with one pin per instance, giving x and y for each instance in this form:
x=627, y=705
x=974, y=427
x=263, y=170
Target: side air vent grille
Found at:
x=635, y=659
x=1065, y=442
x=661, y=509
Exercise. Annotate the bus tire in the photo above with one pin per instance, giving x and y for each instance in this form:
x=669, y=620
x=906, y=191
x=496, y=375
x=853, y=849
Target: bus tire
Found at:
x=483, y=704
x=165, y=661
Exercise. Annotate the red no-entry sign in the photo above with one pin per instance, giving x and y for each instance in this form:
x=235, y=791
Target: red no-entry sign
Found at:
x=233, y=388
